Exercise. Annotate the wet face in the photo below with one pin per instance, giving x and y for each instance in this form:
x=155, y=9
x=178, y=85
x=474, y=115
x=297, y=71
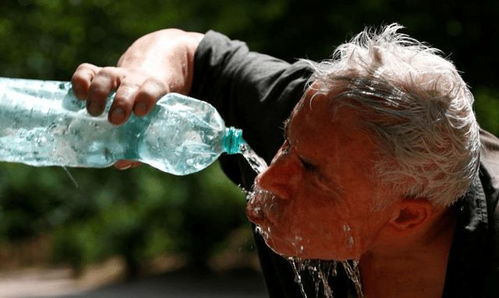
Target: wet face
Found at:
x=320, y=194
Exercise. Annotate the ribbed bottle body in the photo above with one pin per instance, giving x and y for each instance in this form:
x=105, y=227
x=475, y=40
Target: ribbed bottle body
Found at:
x=43, y=124
x=185, y=136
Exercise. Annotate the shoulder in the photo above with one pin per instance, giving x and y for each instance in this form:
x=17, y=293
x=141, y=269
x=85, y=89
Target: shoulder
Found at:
x=489, y=177
x=489, y=156
x=489, y=172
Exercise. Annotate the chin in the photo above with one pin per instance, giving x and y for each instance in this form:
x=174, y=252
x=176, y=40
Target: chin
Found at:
x=288, y=248
x=284, y=249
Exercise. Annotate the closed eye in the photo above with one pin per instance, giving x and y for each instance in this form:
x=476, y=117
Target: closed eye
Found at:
x=307, y=165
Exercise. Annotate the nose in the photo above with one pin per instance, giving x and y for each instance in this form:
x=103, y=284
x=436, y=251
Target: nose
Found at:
x=280, y=178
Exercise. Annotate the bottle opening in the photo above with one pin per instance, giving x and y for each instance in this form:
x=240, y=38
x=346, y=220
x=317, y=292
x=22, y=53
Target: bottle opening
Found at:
x=233, y=140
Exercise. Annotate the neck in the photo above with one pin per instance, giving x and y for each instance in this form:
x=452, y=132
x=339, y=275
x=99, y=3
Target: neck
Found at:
x=417, y=268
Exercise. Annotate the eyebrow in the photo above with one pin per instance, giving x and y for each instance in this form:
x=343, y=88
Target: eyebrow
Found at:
x=286, y=134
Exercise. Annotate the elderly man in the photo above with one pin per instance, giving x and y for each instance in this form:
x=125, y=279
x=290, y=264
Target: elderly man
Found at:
x=380, y=160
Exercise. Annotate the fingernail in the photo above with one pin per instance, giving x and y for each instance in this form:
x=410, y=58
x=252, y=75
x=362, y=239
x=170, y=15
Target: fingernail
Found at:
x=94, y=108
x=125, y=167
x=91, y=108
x=117, y=115
x=140, y=108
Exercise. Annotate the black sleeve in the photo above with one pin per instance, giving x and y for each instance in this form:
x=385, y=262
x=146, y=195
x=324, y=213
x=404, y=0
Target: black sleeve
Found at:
x=256, y=93
x=251, y=91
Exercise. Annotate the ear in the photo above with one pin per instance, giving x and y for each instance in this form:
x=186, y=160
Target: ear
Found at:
x=410, y=214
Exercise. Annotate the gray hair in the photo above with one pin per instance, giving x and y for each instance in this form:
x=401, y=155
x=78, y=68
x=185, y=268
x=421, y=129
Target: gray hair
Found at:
x=416, y=103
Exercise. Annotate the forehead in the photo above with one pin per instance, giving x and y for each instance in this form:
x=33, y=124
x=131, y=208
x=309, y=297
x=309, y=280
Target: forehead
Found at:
x=317, y=114
x=324, y=128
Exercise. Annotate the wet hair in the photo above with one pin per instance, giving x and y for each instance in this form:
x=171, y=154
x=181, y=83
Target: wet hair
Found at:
x=415, y=104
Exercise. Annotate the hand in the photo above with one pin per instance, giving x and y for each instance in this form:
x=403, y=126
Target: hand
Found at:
x=155, y=64
x=136, y=90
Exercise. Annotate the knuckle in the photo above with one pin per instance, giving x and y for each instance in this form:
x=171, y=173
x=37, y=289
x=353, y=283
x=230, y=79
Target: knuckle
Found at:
x=151, y=90
x=98, y=91
x=84, y=66
x=77, y=78
x=109, y=72
x=126, y=89
x=87, y=67
x=145, y=96
x=121, y=102
x=156, y=84
x=125, y=94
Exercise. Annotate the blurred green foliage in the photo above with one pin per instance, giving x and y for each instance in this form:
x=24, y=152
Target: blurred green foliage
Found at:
x=142, y=213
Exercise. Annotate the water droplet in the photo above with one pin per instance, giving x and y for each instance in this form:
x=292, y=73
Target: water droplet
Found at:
x=350, y=242
x=292, y=261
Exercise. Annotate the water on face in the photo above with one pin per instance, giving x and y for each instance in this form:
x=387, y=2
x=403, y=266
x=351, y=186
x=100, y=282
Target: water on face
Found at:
x=320, y=271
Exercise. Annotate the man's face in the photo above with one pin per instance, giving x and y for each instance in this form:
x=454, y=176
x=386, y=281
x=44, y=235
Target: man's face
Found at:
x=321, y=188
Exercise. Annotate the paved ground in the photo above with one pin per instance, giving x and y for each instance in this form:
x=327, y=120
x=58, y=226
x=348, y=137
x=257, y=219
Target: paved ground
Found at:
x=57, y=283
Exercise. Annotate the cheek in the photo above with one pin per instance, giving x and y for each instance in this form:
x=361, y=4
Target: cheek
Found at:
x=316, y=231
x=310, y=225
x=325, y=231
x=330, y=239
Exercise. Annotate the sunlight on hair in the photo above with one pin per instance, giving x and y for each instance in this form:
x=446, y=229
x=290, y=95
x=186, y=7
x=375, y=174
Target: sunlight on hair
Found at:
x=417, y=106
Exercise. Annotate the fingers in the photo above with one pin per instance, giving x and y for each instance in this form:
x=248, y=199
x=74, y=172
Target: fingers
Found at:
x=123, y=103
x=135, y=91
x=94, y=84
x=82, y=78
x=132, y=96
x=147, y=96
x=104, y=82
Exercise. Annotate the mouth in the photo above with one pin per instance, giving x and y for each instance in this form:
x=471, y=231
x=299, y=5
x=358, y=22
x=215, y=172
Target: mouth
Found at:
x=260, y=204
x=254, y=211
x=290, y=232
x=263, y=209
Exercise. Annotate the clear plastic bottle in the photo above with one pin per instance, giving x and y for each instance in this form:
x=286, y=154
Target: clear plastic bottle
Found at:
x=43, y=124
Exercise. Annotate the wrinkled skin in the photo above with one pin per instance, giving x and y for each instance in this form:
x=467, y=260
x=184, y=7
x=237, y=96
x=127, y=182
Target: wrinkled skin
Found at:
x=321, y=191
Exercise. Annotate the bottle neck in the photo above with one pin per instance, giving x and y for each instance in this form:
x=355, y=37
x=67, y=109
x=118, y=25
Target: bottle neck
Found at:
x=232, y=141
